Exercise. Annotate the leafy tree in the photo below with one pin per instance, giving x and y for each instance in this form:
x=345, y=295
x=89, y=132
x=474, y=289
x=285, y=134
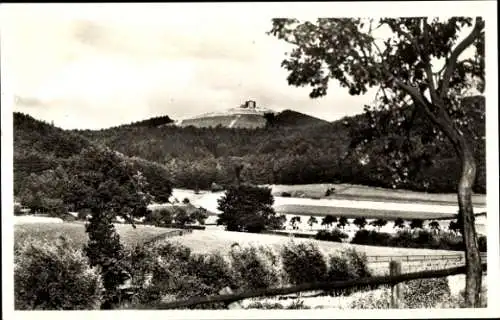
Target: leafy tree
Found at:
x=247, y=208
x=360, y=222
x=419, y=64
x=379, y=223
x=294, y=221
x=454, y=226
x=343, y=222
x=399, y=223
x=112, y=188
x=328, y=220
x=312, y=221
x=417, y=224
x=434, y=225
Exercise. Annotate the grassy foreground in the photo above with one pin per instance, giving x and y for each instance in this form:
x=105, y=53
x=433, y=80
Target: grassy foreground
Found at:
x=75, y=231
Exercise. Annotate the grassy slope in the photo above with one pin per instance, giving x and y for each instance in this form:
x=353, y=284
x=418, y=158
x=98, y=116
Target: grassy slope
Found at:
x=219, y=240
x=75, y=232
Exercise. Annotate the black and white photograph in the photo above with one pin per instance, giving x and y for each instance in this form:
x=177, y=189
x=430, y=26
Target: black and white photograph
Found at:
x=250, y=159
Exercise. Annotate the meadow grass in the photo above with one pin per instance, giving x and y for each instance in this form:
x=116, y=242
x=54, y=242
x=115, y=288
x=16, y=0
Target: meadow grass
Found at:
x=75, y=231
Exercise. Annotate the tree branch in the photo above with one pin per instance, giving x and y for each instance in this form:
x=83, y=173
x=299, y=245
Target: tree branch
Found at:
x=427, y=62
x=452, y=61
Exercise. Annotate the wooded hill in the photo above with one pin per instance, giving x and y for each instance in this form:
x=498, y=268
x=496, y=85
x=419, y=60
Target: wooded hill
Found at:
x=292, y=149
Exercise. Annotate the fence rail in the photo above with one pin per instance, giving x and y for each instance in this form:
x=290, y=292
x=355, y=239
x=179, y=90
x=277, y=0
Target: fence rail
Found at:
x=411, y=258
x=370, y=282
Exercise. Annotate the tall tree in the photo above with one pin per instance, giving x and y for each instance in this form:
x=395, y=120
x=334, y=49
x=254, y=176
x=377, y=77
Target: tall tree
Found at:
x=417, y=64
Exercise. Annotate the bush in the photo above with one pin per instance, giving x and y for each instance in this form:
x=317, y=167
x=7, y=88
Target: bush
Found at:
x=371, y=238
x=373, y=300
x=335, y=235
x=286, y=194
x=303, y=263
x=255, y=268
x=55, y=277
x=425, y=293
x=347, y=265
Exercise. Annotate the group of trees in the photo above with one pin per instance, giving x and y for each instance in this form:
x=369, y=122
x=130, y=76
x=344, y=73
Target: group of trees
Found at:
x=361, y=223
x=176, y=216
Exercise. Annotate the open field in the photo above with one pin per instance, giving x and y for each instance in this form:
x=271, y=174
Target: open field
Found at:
x=388, y=214
x=220, y=240
x=356, y=207
x=75, y=231
x=358, y=192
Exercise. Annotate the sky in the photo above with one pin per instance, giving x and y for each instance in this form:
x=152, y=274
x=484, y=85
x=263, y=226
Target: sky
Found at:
x=96, y=66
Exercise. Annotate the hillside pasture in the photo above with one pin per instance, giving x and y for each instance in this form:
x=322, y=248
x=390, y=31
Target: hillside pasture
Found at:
x=359, y=192
x=75, y=232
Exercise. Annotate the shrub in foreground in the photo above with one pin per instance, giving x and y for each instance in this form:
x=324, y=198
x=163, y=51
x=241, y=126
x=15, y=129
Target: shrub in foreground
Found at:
x=425, y=293
x=303, y=263
x=55, y=277
x=421, y=293
x=255, y=268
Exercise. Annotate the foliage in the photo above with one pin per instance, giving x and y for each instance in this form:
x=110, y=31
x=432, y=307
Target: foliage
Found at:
x=55, y=277
x=434, y=225
x=425, y=293
x=335, y=235
x=303, y=263
x=342, y=222
x=105, y=250
x=247, y=208
x=399, y=223
x=255, y=268
x=186, y=157
x=401, y=63
x=380, y=299
x=360, y=222
x=328, y=220
x=160, y=218
x=371, y=237
x=379, y=223
x=294, y=221
x=312, y=221
x=349, y=264
x=417, y=224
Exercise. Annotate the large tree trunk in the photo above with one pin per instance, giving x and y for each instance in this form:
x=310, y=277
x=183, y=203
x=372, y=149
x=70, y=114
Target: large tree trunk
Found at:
x=472, y=254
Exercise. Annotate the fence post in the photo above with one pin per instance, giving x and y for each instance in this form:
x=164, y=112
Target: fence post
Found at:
x=396, y=290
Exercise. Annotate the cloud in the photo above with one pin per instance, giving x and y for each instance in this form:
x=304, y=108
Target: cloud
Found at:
x=87, y=67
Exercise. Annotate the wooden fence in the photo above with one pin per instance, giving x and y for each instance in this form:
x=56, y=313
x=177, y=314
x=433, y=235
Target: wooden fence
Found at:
x=393, y=280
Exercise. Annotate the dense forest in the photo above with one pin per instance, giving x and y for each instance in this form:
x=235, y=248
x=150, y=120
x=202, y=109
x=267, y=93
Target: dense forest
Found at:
x=55, y=170
x=297, y=149
x=292, y=149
